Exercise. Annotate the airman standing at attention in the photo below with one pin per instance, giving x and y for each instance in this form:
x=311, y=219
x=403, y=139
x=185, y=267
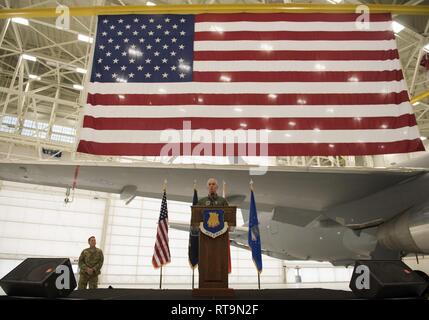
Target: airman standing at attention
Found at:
x=90, y=263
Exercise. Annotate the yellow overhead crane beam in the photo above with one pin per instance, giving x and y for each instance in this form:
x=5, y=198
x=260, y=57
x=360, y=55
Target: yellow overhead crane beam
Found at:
x=214, y=8
x=420, y=97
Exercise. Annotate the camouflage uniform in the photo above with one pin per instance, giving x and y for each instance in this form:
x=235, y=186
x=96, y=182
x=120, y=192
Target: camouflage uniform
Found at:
x=213, y=200
x=90, y=258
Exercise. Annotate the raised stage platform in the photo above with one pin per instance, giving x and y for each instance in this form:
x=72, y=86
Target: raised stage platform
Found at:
x=266, y=294
x=175, y=294
x=170, y=294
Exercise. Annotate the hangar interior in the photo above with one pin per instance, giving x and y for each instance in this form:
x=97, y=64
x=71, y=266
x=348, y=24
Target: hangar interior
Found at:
x=43, y=72
x=43, y=224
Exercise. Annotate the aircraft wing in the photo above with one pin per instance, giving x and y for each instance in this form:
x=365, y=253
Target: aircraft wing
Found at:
x=238, y=238
x=353, y=197
x=179, y=225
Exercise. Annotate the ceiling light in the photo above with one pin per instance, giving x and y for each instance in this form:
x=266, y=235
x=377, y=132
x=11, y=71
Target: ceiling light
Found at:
x=423, y=138
x=150, y=3
x=266, y=47
x=81, y=70
x=28, y=57
x=23, y=21
x=185, y=67
x=77, y=87
x=216, y=29
x=135, y=52
x=426, y=48
x=319, y=66
x=85, y=38
x=335, y=1
x=34, y=77
x=397, y=27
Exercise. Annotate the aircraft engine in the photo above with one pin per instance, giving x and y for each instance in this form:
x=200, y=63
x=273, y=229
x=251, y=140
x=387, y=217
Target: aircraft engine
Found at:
x=408, y=232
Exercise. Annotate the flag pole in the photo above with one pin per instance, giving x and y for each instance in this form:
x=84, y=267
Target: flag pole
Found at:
x=223, y=189
x=160, y=277
x=259, y=281
x=193, y=272
x=193, y=269
x=229, y=229
x=164, y=188
x=259, y=275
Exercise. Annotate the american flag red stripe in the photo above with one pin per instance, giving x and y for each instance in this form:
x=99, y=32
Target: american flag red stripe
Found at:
x=285, y=76
x=248, y=99
x=293, y=35
x=296, y=55
x=252, y=123
x=161, y=255
x=300, y=149
x=315, y=82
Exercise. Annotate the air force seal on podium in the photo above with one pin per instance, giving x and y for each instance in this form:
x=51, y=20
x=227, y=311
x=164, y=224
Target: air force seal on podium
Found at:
x=213, y=224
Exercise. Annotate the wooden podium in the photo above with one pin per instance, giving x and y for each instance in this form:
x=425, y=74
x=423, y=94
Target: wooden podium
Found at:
x=213, y=254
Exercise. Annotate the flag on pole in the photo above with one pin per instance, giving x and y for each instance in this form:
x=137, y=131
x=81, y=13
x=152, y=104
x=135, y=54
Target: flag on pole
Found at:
x=161, y=255
x=194, y=238
x=227, y=234
x=254, y=239
x=316, y=83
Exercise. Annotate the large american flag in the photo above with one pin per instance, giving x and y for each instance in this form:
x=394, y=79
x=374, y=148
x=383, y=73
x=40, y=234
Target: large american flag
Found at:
x=314, y=82
x=161, y=254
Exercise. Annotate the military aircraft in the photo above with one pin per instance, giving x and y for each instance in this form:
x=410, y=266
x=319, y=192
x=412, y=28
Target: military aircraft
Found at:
x=326, y=214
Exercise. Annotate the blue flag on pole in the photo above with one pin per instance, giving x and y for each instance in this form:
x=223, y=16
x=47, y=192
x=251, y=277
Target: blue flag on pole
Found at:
x=194, y=236
x=253, y=236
